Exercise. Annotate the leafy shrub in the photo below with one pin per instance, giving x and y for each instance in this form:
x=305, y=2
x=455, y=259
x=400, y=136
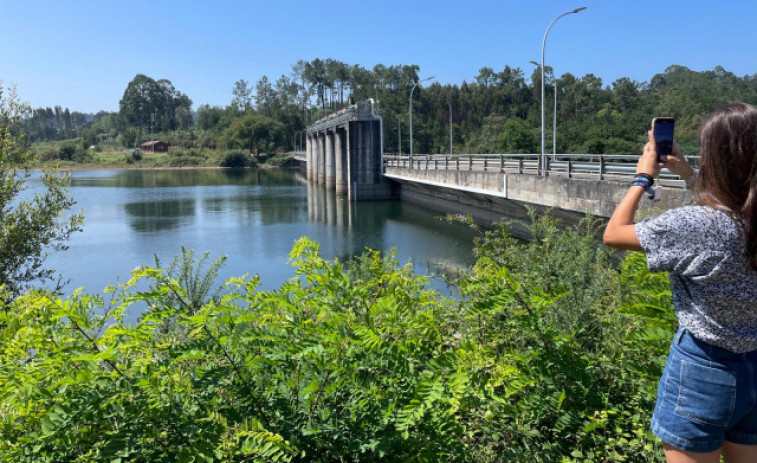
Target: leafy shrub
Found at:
x=551, y=355
x=47, y=154
x=82, y=156
x=235, y=158
x=185, y=161
x=192, y=157
x=281, y=161
x=67, y=151
x=324, y=368
x=568, y=349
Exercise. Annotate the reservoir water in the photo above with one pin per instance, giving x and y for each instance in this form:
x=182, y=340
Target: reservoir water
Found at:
x=251, y=216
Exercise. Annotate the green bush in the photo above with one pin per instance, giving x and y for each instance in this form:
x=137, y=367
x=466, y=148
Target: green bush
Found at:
x=551, y=355
x=280, y=161
x=47, y=154
x=67, y=151
x=133, y=156
x=192, y=157
x=568, y=348
x=235, y=158
x=82, y=157
x=185, y=161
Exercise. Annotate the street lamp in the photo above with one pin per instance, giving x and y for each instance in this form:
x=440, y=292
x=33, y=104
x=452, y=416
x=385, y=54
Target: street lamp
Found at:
x=554, y=115
x=399, y=137
x=410, y=104
x=450, y=127
x=543, y=45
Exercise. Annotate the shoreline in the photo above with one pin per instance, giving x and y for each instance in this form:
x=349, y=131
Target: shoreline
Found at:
x=87, y=168
x=92, y=168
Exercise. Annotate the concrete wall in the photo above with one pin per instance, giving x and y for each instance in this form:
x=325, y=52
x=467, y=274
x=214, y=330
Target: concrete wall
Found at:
x=491, y=196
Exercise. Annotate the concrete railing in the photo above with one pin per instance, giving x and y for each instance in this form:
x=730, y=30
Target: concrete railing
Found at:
x=578, y=166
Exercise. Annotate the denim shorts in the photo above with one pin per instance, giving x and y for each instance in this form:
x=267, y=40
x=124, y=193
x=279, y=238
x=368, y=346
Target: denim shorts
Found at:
x=707, y=395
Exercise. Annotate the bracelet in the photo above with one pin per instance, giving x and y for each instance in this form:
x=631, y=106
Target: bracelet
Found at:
x=646, y=184
x=646, y=180
x=645, y=176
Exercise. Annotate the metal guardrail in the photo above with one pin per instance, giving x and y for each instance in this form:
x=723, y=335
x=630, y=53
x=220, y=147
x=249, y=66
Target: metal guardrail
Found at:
x=347, y=114
x=579, y=166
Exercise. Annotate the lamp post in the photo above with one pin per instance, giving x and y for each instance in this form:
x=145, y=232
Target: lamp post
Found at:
x=450, y=127
x=554, y=115
x=410, y=104
x=399, y=137
x=543, y=45
x=554, y=122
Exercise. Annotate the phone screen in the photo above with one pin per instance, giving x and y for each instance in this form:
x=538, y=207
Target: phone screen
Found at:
x=662, y=129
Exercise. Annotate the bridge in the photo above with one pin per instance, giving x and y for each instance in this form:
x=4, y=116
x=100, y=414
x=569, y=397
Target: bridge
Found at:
x=346, y=149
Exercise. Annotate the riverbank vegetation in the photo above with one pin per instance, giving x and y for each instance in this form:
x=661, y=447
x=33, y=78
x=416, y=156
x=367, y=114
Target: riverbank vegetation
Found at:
x=497, y=112
x=551, y=354
x=30, y=227
x=64, y=155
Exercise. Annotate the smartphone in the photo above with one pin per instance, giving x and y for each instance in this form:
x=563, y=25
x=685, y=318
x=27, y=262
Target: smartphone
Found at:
x=662, y=130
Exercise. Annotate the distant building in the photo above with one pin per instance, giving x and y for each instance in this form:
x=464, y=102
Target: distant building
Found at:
x=154, y=147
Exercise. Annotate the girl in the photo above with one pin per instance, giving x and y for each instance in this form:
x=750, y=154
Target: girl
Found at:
x=707, y=397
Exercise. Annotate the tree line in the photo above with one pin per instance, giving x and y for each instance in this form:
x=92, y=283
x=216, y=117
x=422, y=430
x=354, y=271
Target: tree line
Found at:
x=499, y=111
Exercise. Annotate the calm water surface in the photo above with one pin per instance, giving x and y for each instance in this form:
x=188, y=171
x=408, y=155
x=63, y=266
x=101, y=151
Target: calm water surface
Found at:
x=251, y=216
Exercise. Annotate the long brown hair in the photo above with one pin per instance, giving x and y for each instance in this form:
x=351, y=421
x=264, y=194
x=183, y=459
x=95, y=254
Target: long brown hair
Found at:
x=727, y=178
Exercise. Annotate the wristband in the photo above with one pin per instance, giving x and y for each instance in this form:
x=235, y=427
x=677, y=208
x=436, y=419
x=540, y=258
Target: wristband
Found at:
x=646, y=180
x=645, y=183
x=645, y=176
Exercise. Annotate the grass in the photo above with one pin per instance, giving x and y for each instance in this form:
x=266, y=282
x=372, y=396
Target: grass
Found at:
x=104, y=156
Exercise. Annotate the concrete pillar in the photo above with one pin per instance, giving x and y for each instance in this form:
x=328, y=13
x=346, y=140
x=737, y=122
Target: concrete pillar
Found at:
x=330, y=159
x=315, y=155
x=309, y=156
x=321, y=158
x=340, y=136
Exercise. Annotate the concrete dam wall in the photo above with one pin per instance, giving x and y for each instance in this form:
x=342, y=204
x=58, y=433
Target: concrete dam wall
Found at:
x=491, y=196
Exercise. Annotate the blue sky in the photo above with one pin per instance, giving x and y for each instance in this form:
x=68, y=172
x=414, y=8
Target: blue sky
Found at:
x=81, y=54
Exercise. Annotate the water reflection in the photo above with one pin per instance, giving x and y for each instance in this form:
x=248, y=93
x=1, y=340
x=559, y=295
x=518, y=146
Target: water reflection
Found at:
x=158, y=216
x=252, y=216
x=354, y=227
x=326, y=207
x=167, y=178
x=253, y=205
